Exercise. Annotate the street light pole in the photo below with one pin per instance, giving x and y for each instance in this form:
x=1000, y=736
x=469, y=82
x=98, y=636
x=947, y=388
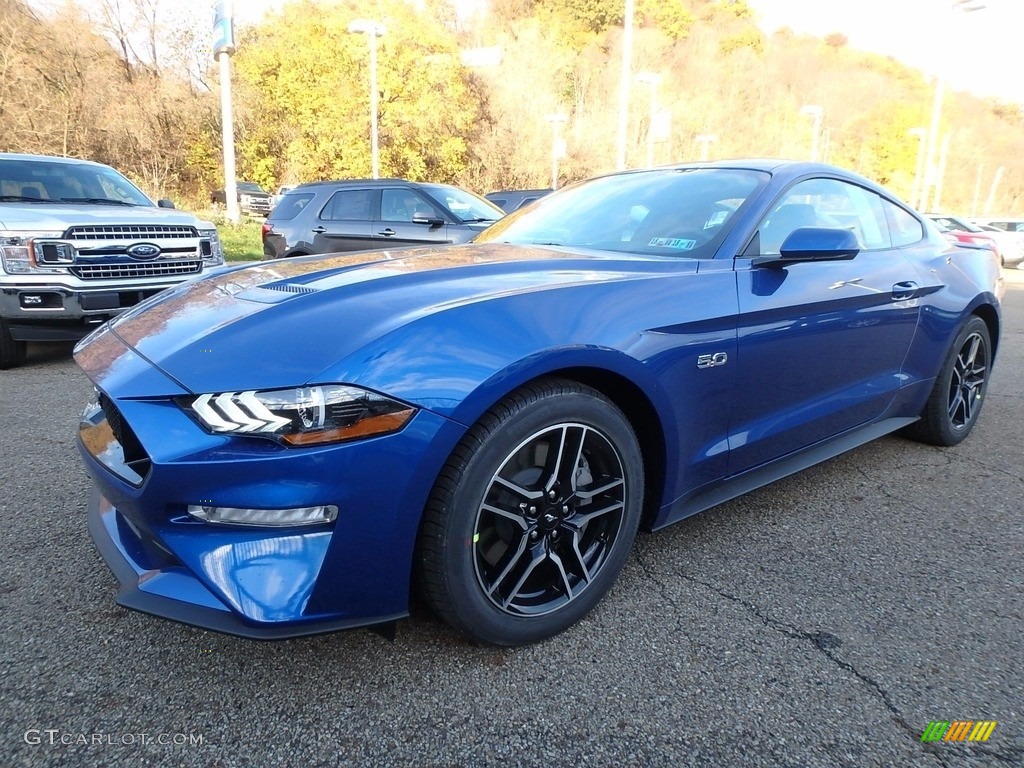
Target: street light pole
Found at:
x=919, y=166
x=556, y=148
x=652, y=79
x=930, y=170
x=815, y=112
x=373, y=30
x=627, y=67
x=705, y=140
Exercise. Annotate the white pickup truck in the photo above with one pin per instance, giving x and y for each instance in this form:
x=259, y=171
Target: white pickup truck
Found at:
x=80, y=243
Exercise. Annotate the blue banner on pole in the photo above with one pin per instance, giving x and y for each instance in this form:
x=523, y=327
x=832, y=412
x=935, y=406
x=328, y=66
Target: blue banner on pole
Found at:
x=223, y=29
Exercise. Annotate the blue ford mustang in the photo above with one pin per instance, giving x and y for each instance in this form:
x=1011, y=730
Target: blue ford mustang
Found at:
x=292, y=447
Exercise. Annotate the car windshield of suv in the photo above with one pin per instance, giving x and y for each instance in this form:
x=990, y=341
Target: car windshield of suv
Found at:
x=466, y=206
x=665, y=212
x=251, y=186
x=58, y=182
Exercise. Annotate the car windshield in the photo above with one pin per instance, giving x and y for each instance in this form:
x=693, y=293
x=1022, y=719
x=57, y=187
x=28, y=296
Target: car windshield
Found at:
x=950, y=224
x=465, y=205
x=666, y=212
x=56, y=181
x=250, y=186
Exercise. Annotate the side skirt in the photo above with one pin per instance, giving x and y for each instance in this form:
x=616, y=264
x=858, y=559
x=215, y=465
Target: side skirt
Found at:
x=768, y=473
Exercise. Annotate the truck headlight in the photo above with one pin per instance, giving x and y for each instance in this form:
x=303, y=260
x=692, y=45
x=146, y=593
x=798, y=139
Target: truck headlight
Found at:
x=211, y=248
x=30, y=252
x=302, y=416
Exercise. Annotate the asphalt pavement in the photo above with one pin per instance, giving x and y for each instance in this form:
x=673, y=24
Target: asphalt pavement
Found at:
x=823, y=621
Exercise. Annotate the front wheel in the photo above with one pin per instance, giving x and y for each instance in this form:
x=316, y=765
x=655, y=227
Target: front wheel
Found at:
x=959, y=392
x=534, y=515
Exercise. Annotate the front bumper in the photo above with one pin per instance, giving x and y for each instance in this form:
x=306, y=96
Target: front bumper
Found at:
x=149, y=460
x=41, y=311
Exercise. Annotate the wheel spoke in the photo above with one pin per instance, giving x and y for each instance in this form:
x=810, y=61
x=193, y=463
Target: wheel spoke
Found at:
x=515, y=517
x=513, y=560
x=579, y=521
x=567, y=458
x=554, y=558
x=955, y=404
x=586, y=495
x=584, y=571
x=537, y=557
x=518, y=490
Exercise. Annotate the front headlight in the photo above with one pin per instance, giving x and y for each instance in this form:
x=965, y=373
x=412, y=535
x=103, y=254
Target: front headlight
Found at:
x=212, y=250
x=27, y=252
x=302, y=416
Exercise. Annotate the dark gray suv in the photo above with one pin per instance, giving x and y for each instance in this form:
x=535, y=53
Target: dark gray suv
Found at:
x=365, y=214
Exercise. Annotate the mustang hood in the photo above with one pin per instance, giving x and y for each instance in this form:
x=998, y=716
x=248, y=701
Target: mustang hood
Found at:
x=281, y=323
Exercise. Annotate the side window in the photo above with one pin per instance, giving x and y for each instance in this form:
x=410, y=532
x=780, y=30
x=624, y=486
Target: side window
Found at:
x=905, y=229
x=828, y=203
x=399, y=205
x=349, y=205
x=291, y=205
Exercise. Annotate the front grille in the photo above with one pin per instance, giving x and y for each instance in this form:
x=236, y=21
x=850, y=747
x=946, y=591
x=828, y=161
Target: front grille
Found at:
x=131, y=232
x=135, y=456
x=145, y=269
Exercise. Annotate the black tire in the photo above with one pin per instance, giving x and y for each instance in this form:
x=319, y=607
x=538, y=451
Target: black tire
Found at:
x=12, y=353
x=516, y=545
x=959, y=392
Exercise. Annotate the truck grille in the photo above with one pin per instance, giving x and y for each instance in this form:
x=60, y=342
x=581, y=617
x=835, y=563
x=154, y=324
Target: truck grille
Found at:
x=143, y=269
x=131, y=232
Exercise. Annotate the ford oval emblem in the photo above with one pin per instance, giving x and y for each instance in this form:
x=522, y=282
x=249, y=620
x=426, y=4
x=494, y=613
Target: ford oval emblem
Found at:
x=144, y=251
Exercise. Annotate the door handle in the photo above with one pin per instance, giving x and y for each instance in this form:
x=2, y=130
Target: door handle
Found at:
x=387, y=232
x=319, y=230
x=905, y=290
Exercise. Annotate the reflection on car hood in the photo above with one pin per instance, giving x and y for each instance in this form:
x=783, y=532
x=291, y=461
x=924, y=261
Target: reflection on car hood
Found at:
x=279, y=323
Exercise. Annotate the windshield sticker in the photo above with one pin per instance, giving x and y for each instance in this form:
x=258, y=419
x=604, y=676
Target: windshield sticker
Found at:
x=716, y=219
x=678, y=243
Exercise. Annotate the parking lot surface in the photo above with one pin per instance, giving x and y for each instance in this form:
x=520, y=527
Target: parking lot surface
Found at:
x=823, y=621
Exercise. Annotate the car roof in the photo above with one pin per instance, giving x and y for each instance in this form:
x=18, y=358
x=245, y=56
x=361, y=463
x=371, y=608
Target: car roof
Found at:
x=23, y=158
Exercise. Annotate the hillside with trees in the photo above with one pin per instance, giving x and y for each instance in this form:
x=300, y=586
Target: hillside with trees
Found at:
x=130, y=83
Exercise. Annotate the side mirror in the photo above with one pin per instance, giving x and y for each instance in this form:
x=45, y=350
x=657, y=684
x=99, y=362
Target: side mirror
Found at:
x=813, y=244
x=423, y=218
x=165, y=202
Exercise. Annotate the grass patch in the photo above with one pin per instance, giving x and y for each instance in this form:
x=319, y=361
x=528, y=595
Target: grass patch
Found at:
x=241, y=241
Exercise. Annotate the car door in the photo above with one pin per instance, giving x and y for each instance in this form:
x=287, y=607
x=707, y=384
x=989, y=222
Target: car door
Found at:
x=395, y=226
x=345, y=223
x=821, y=343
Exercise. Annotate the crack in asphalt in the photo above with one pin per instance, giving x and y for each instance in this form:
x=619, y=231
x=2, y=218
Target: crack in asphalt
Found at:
x=824, y=642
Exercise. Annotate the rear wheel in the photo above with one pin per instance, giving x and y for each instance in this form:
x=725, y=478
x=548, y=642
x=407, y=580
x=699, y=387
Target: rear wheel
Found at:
x=12, y=353
x=534, y=515
x=959, y=392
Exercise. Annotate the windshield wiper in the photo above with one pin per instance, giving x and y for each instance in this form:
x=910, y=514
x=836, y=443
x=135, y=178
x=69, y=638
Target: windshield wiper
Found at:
x=96, y=200
x=23, y=199
x=477, y=219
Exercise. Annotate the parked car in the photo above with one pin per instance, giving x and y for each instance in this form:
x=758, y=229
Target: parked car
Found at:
x=365, y=214
x=79, y=243
x=963, y=231
x=1005, y=224
x=1010, y=244
x=252, y=198
x=510, y=200
x=282, y=450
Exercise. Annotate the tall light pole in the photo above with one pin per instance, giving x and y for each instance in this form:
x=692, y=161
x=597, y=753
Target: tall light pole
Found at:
x=930, y=169
x=223, y=47
x=557, y=145
x=816, y=113
x=652, y=79
x=373, y=30
x=919, y=166
x=624, y=78
x=705, y=140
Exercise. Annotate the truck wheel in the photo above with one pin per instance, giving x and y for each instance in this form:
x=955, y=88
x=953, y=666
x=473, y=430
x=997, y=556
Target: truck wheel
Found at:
x=12, y=353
